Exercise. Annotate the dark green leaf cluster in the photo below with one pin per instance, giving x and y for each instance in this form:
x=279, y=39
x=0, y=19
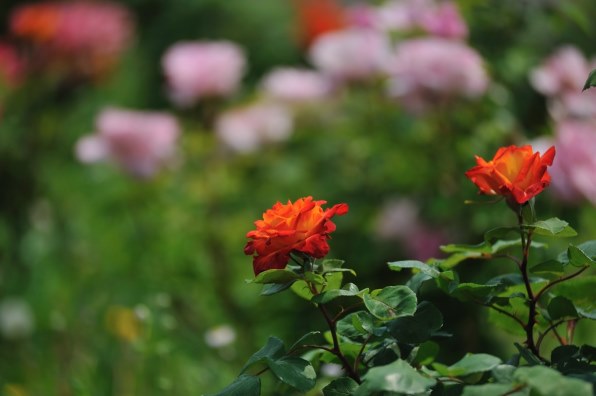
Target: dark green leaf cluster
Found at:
x=387, y=340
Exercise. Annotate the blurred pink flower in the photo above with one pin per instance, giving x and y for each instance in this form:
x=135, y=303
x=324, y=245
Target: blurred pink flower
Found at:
x=351, y=54
x=396, y=218
x=400, y=15
x=574, y=169
x=573, y=105
x=427, y=71
x=12, y=68
x=362, y=15
x=564, y=71
x=245, y=129
x=444, y=20
x=138, y=141
x=84, y=37
x=296, y=85
x=199, y=69
x=399, y=220
x=440, y=19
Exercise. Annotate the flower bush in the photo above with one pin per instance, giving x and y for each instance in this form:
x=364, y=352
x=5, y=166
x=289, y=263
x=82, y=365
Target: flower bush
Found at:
x=383, y=339
x=140, y=139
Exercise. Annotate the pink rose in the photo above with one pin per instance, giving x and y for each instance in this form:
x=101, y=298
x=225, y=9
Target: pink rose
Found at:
x=564, y=71
x=444, y=20
x=399, y=220
x=199, y=69
x=441, y=19
x=245, y=129
x=352, y=54
x=138, y=141
x=296, y=85
x=430, y=70
x=572, y=173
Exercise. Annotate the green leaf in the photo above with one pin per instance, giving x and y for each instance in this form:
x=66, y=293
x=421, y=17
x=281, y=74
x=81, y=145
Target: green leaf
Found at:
x=503, y=373
x=588, y=249
x=591, y=81
x=304, y=337
x=560, y=307
x=274, y=288
x=493, y=390
x=275, y=276
x=244, y=385
x=422, y=267
x=312, y=277
x=578, y=258
x=425, y=354
x=398, y=377
x=334, y=265
x=553, y=227
x=544, y=381
x=475, y=292
x=416, y=281
x=346, y=328
x=500, y=233
x=302, y=290
x=331, y=264
x=344, y=386
x=483, y=247
x=581, y=292
x=549, y=266
x=273, y=349
x=469, y=364
x=349, y=290
x=528, y=356
x=391, y=302
x=294, y=371
x=363, y=322
x=418, y=328
x=563, y=353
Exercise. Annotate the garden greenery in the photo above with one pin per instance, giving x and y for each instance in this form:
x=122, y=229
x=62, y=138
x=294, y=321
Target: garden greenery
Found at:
x=384, y=339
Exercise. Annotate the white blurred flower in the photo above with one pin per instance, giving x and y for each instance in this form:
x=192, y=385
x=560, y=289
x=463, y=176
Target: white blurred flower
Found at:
x=220, y=336
x=296, y=85
x=16, y=318
x=332, y=370
x=140, y=142
x=199, y=69
x=351, y=54
x=245, y=129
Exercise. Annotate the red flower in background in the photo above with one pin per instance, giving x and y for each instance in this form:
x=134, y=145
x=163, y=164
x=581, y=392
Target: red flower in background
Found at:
x=317, y=17
x=303, y=226
x=82, y=37
x=514, y=172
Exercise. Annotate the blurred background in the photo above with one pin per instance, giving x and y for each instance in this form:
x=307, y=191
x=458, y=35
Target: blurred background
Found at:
x=140, y=140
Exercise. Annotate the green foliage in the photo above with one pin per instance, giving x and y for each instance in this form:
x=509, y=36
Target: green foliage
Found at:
x=248, y=385
x=397, y=377
x=553, y=227
x=591, y=81
x=469, y=364
x=391, y=302
x=545, y=381
x=294, y=371
x=340, y=387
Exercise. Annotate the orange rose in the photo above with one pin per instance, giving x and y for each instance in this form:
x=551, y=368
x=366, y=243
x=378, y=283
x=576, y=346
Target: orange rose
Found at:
x=515, y=172
x=303, y=226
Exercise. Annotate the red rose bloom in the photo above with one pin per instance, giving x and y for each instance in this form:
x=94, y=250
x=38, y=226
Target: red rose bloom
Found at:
x=515, y=172
x=303, y=226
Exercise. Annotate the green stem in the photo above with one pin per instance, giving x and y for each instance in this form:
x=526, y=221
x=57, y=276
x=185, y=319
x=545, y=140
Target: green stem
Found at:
x=526, y=241
x=333, y=329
